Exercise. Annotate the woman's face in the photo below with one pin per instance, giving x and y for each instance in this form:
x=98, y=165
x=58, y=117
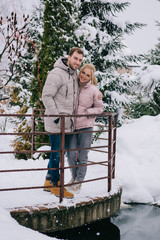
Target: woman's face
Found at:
x=85, y=75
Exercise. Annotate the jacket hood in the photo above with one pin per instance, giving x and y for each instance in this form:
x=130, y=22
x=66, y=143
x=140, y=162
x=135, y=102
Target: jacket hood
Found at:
x=60, y=63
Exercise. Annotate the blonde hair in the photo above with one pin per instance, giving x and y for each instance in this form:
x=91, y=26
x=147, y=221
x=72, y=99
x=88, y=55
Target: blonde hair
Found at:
x=92, y=68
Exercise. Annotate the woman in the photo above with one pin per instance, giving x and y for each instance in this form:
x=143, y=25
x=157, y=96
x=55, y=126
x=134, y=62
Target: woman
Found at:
x=87, y=103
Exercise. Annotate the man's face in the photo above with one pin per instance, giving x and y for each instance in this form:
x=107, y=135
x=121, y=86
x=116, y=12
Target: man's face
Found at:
x=75, y=60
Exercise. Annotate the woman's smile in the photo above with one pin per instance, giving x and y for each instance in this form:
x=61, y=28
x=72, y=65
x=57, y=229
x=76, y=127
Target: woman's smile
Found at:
x=85, y=75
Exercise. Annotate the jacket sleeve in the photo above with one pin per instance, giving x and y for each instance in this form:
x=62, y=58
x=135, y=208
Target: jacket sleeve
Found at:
x=98, y=106
x=52, y=84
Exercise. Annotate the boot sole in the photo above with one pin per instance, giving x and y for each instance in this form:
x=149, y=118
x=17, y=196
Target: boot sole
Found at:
x=57, y=195
x=64, y=197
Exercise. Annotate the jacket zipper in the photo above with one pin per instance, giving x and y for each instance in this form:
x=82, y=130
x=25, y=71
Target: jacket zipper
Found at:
x=72, y=127
x=66, y=91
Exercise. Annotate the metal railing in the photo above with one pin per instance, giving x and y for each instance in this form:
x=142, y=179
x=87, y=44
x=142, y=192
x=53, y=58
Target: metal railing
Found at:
x=106, y=124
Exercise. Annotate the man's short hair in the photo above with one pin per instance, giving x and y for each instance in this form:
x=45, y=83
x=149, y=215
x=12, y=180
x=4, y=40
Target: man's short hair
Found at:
x=75, y=49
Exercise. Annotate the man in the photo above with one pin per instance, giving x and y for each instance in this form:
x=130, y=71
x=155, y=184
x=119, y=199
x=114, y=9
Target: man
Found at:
x=58, y=96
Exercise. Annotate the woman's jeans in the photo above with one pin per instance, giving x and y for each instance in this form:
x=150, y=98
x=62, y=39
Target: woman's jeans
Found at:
x=54, y=160
x=80, y=140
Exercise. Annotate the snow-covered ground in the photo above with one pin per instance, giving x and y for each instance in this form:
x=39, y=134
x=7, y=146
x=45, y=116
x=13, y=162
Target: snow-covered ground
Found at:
x=137, y=171
x=138, y=160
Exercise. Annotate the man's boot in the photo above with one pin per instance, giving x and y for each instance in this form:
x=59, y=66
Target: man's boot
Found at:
x=56, y=191
x=47, y=186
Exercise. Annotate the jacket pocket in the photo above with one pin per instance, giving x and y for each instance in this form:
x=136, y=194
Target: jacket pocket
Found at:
x=68, y=122
x=57, y=120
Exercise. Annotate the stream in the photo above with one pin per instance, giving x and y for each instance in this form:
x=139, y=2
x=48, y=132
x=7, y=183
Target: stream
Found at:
x=131, y=222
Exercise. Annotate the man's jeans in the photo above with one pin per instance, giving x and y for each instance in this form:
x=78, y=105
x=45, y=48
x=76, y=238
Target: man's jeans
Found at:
x=80, y=140
x=54, y=160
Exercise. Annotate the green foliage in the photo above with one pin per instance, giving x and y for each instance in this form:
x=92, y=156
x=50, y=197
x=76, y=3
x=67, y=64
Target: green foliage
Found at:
x=60, y=21
x=151, y=106
x=153, y=57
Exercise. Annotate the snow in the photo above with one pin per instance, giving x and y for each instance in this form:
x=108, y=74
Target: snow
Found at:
x=10, y=229
x=137, y=171
x=137, y=156
x=88, y=31
x=138, y=162
x=150, y=77
x=18, y=6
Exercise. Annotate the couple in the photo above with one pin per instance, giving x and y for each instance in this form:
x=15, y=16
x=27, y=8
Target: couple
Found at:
x=67, y=91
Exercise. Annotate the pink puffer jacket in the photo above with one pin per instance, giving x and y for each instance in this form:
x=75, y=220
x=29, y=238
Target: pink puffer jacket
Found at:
x=87, y=103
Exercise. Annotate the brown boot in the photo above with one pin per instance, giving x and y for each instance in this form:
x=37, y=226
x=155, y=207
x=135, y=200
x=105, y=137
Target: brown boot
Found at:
x=56, y=192
x=47, y=186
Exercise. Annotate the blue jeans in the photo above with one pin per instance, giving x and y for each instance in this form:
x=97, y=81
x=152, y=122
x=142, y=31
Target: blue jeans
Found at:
x=80, y=140
x=53, y=175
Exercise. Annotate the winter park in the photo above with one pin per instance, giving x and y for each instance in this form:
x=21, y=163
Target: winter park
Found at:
x=115, y=194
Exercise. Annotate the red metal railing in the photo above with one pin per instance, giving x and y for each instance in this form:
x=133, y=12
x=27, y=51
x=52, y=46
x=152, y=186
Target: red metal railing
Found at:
x=107, y=123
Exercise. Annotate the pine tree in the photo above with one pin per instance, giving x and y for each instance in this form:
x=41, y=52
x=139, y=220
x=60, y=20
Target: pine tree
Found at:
x=60, y=21
x=103, y=36
x=148, y=85
x=153, y=57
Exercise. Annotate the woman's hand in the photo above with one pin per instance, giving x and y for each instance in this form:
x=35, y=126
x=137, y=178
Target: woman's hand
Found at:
x=100, y=95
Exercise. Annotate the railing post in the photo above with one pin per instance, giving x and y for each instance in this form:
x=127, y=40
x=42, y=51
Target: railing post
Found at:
x=62, y=147
x=114, y=144
x=110, y=154
x=33, y=129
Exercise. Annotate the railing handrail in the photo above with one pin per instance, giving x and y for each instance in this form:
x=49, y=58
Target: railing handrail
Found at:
x=56, y=115
x=111, y=146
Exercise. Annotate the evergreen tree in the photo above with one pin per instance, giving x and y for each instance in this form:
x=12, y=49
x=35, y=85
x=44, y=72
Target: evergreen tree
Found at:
x=103, y=36
x=147, y=93
x=60, y=21
x=148, y=85
x=153, y=57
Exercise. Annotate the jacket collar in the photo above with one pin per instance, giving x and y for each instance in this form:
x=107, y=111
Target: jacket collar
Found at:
x=85, y=84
